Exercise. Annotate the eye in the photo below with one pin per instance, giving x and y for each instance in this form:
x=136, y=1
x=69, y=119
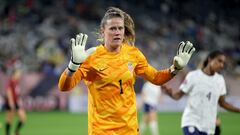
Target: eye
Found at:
x=120, y=28
x=113, y=28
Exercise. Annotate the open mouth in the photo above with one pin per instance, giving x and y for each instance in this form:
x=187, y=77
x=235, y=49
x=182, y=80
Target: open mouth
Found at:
x=117, y=39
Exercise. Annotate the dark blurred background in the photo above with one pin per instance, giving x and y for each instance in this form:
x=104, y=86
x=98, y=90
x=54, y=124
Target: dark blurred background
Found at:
x=37, y=32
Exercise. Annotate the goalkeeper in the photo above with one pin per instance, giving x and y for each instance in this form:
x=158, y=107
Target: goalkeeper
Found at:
x=110, y=70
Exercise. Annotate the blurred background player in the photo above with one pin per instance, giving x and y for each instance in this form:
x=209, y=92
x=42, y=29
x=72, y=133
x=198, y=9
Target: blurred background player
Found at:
x=205, y=89
x=12, y=100
x=150, y=96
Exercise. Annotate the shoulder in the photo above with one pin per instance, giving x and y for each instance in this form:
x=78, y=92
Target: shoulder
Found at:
x=219, y=76
x=10, y=81
x=99, y=50
x=130, y=48
x=194, y=72
x=133, y=52
x=193, y=76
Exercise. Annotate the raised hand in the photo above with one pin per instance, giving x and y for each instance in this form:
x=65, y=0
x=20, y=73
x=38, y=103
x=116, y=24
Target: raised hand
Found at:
x=78, y=52
x=184, y=53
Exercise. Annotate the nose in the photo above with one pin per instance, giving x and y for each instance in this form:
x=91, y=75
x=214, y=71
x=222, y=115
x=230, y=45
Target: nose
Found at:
x=118, y=31
x=221, y=65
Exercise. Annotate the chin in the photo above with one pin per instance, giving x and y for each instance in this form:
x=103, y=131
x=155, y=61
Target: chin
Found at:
x=116, y=45
x=218, y=70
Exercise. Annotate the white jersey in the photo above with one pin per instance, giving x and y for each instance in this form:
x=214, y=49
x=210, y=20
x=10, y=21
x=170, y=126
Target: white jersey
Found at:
x=151, y=93
x=203, y=92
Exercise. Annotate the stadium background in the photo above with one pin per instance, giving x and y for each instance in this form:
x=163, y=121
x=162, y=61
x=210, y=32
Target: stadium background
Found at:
x=38, y=32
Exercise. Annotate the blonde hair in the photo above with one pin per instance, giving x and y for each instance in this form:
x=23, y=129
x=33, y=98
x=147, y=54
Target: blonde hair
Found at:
x=114, y=12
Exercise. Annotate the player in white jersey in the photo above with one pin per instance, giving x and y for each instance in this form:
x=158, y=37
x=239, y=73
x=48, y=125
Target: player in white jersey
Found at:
x=205, y=89
x=150, y=97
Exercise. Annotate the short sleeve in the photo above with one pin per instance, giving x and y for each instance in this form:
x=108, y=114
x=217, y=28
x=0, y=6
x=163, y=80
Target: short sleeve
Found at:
x=187, y=83
x=223, y=89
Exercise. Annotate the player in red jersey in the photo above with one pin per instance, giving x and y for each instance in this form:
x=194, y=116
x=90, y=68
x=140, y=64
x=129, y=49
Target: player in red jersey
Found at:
x=12, y=102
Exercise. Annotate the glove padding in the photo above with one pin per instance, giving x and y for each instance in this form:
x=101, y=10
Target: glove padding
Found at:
x=78, y=52
x=184, y=53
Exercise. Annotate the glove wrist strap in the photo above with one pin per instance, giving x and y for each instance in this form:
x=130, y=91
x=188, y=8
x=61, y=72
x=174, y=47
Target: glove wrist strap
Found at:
x=73, y=66
x=173, y=70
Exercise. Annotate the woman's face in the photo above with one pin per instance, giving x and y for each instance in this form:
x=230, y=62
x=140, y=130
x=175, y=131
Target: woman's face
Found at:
x=113, y=33
x=217, y=63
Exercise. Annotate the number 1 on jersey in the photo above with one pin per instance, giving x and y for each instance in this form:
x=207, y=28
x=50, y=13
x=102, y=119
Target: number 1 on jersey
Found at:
x=121, y=89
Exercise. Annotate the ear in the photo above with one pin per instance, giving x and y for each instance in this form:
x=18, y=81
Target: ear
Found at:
x=102, y=32
x=101, y=35
x=209, y=59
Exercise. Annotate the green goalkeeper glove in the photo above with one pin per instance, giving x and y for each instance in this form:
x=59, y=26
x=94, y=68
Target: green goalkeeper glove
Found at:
x=78, y=52
x=184, y=53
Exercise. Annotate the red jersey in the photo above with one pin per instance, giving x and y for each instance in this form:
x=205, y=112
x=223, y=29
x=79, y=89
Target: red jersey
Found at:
x=12, y=86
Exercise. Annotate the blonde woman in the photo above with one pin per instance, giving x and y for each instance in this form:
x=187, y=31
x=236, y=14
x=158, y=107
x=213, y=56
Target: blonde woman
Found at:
x=110, y=70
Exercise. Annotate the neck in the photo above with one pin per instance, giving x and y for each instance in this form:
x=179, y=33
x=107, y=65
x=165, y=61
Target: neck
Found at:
x=207, y=70
x=112, y=49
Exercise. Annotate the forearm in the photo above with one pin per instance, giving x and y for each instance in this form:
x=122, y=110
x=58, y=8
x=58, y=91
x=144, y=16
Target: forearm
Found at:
x=163, y=76
x=175, y=95
x=68, y=80
x=230, y=107
x=158, y=77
